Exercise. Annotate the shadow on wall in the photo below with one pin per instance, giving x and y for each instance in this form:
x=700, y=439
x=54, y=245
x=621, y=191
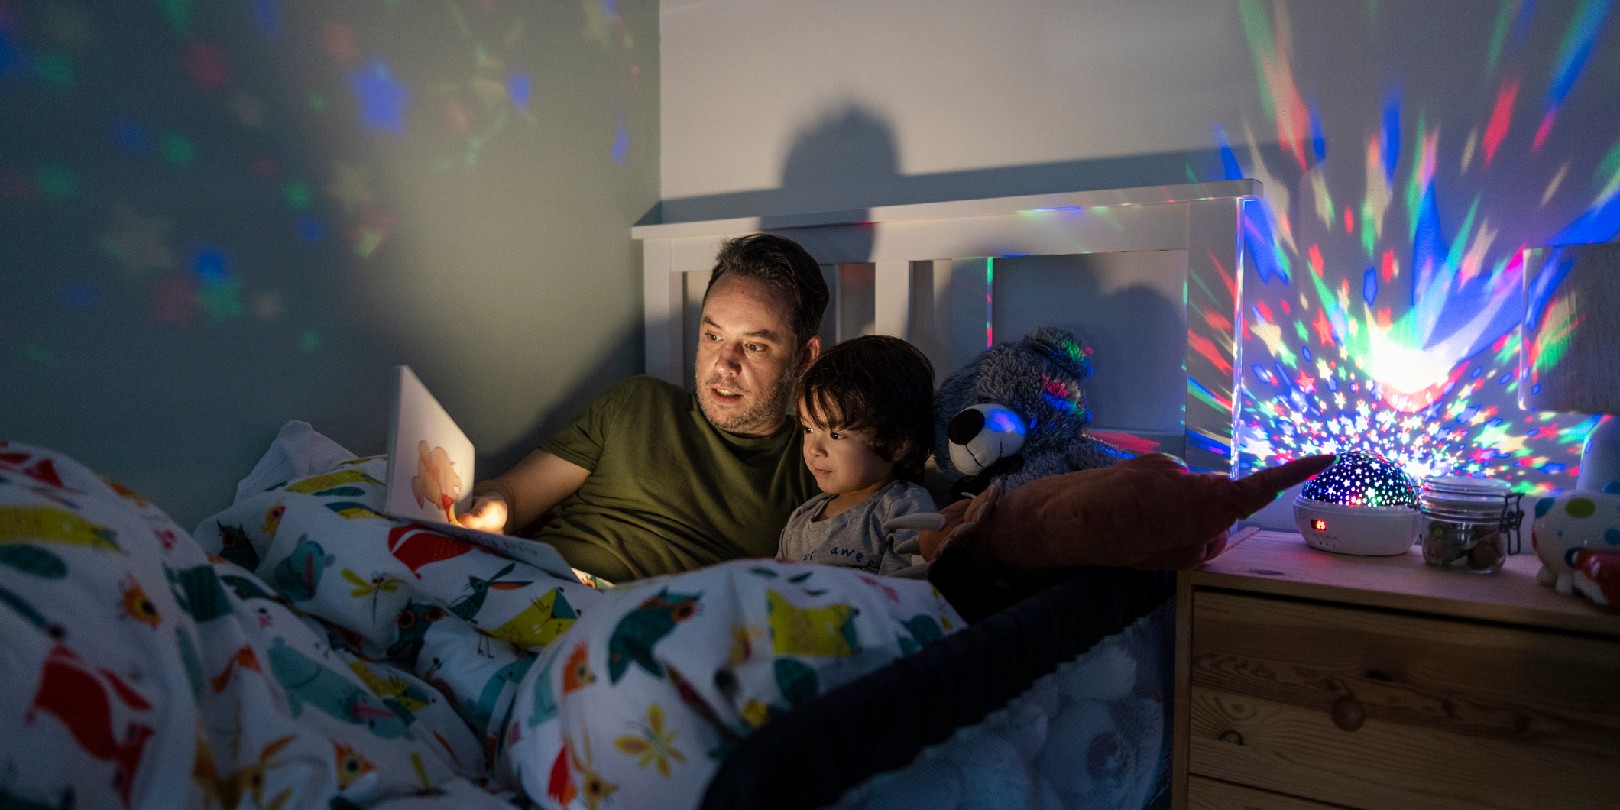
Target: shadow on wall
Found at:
x=1136, y=325
x=850, y=152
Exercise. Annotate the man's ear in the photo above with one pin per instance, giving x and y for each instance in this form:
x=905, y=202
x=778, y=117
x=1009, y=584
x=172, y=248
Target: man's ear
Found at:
x=808, y=355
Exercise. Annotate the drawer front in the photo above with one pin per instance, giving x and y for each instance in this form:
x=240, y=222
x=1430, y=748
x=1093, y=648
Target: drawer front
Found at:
x=1369, y=708
x=1209, y=794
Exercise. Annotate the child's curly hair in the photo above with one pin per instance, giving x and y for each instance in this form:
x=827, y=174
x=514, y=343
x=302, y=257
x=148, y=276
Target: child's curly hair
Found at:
x=877, y=383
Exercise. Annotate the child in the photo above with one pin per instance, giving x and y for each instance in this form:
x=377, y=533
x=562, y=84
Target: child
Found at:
x=867, y=410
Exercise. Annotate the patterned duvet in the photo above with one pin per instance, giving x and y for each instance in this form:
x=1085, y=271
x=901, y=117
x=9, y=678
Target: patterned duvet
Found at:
x=301, y=650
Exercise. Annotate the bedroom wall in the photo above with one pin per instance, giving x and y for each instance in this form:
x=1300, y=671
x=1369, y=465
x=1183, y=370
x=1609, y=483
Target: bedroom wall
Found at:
x=218, y=217
x=1408, y=150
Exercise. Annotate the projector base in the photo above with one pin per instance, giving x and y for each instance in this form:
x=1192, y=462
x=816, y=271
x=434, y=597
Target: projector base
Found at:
x=1369, y=531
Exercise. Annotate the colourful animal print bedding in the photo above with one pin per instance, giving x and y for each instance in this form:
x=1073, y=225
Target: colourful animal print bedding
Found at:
x=302, y=650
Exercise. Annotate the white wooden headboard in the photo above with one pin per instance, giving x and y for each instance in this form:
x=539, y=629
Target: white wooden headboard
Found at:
x=1150, y=277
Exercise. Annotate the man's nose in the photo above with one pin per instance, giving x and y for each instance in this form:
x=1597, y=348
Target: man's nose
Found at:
x=728, y=355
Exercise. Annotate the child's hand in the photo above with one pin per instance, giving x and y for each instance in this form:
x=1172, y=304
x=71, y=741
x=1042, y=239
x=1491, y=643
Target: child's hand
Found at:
x=488, y=514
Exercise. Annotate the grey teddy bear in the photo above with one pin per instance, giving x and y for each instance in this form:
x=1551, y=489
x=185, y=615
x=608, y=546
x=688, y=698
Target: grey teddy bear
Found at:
x=1017, y=412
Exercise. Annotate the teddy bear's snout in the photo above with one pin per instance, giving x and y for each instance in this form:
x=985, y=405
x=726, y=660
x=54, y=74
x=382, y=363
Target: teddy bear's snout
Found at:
x=983, y=434
x=965, y=425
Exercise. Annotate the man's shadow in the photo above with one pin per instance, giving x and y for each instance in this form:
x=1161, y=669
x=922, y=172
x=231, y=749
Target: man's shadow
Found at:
x=1137, y=327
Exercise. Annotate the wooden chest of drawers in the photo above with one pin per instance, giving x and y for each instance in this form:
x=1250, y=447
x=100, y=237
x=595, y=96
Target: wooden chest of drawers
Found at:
x=1308, y=679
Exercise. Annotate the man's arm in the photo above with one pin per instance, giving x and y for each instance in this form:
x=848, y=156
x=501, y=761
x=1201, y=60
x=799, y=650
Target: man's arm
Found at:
x=519, y=496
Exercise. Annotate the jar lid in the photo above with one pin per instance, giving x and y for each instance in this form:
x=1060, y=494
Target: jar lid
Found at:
x=1465, y=485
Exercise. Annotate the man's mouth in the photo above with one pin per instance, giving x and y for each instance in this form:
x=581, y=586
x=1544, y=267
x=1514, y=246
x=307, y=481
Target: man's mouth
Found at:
x=725, y=393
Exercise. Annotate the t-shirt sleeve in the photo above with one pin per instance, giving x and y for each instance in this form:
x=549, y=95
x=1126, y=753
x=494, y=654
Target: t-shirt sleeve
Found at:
x=583, y=440
x=907, y=500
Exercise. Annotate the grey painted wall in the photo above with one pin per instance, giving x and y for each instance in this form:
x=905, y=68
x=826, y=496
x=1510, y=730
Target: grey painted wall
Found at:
x=218, y=217
x=1409, y=150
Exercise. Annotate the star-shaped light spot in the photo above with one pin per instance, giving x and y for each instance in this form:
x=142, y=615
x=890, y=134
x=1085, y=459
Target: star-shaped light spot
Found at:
x=371, y=231
x=207, y=65
x=338, y=41
x=383, y=99
x=221, y=298
x=621, y=139
x=249, y=111
x=596, y=21
x=174, y=300
x=138, y=242
x=349, y=187
x=267, y=306
x=55, y=181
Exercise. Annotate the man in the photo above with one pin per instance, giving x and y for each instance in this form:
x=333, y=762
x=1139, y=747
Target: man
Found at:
x=666, y=480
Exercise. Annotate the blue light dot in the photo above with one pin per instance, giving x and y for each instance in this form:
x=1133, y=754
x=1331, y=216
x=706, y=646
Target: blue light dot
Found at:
x=80, y=296
x=133, y=137
x=517, y=89
x=310, y=229
x=210, y=266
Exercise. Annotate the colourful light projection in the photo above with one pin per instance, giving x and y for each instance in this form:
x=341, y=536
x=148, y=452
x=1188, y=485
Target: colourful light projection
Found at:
x=199, y=148
x=1385, y=318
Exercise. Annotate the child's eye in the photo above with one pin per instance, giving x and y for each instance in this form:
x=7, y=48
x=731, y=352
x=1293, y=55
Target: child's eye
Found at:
x=835, y=434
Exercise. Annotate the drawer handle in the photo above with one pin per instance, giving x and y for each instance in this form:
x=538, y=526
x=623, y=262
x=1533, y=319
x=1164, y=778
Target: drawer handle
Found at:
x=1348, y=713
x=1231, y=737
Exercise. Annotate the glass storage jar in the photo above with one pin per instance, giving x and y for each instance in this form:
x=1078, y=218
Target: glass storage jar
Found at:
x=1463, y=522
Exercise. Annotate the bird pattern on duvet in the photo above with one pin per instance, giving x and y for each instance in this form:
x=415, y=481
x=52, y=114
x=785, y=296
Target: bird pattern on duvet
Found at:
x=287, y=654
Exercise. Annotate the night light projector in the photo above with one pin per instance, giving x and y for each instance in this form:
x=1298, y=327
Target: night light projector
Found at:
x=1363, y=504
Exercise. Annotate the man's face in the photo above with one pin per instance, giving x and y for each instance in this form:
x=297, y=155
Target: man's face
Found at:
x=746, y=360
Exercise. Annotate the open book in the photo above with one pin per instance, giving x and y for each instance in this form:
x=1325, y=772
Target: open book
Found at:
x=430, y=476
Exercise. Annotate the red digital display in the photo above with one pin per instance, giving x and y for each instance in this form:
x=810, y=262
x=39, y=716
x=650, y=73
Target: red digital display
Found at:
x=1319, y=525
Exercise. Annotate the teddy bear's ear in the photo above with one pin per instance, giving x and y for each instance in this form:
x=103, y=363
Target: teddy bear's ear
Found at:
x=1061, y=347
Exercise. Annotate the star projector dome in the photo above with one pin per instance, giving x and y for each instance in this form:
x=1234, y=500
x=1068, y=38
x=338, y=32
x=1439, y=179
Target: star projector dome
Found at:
x=1362, y=504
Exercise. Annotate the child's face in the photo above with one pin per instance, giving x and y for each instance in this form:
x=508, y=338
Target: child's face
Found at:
x=842, y=461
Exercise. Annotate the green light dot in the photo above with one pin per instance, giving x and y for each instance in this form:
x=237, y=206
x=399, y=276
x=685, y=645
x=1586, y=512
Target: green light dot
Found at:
x=36, y=353
x=55, y=181
x=54, y=67
x=309, y=340
x=178, y=150
x=317, y=102
x=297, y=194
x=178, y=12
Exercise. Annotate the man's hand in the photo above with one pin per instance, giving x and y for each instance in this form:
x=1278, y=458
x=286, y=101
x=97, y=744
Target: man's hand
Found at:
x=488, y=514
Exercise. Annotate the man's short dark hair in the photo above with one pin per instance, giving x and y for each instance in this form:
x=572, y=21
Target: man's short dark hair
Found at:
x=877, y=383
x=784, y=265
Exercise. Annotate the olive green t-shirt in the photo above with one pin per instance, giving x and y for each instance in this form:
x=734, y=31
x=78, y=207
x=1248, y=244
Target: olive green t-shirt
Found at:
x=668, y=491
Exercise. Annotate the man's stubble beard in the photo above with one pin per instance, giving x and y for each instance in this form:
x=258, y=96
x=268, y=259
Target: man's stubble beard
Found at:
x=764, y=418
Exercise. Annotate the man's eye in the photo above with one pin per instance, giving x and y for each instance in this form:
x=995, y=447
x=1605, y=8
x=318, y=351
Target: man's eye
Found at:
x=756, y=348
x=711, y=337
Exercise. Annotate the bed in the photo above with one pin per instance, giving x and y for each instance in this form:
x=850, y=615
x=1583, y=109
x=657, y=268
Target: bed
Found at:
x=300, y=649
